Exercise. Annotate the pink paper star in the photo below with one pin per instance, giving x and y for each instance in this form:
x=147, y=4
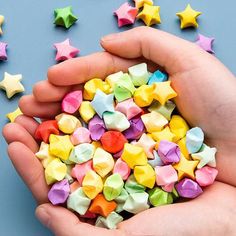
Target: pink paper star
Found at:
x=205, y=43
x=65, y=51
x=3, y=53
x=129, y=108
x=147, y=144
x=126, y=14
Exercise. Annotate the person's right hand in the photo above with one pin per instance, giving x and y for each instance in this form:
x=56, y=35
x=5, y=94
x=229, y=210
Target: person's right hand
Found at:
x=206, y=98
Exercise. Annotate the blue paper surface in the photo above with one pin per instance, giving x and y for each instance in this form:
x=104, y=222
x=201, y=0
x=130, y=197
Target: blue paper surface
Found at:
x=30, y=34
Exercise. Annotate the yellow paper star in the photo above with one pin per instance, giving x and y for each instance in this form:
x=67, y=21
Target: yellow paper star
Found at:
x=178, y=126
x=12, y=115
x=150, y=15
x=140, y=3
x=185, y=167
x=1, y=22
x=44, y=155
x=163, y=92
x=165, y=134
x=60, y=146
x=182, y=146
x=11, y=84
x=188, y=17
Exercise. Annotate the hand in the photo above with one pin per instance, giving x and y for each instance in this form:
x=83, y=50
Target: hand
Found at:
x=205, y=98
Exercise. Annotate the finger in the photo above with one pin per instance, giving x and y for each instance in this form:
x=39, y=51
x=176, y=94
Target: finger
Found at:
x=29, y=123
x=30, y=169
x=14, y=132
x=79, y=70
x=62, y=222
x=162, y=48
x=44, y=91
x=30, y=107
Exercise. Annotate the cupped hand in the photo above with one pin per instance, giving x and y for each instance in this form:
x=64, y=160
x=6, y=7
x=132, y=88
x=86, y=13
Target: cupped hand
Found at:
x=206, y=98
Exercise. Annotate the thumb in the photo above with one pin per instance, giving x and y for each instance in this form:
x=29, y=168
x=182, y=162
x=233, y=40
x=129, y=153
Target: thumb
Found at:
x=164, y=49
x=63, y=222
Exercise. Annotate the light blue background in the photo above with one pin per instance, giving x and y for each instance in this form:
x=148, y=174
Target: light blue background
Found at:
x=30, y=33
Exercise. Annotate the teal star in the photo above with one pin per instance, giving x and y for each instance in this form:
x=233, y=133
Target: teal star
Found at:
x=205, y=156
x=64, y=17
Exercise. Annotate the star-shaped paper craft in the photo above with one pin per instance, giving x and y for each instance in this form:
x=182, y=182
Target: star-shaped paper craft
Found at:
x=126, y=14
x=129, y=108
x=147, y=144
x=11, y=84
x=3, y=52
x=163, y=92
x=1, y=22
x=13, y=115
x=150, y=15
x=65, y=51
x=185, y=167
x=43, y=152
x=140, y=3
x=44, y=155
x=188, y=17
x=154, y=121
x=166, y=109
x=103, y=102
x=165, y=134
x=206, y=156
x=205, y=43
x=64, y=17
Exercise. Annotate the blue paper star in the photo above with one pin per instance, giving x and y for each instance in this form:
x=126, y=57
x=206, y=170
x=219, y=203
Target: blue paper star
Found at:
x=157, y=76
x=102, y=102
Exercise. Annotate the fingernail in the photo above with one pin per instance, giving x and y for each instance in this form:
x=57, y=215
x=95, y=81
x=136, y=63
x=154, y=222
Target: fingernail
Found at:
x=42, y=215
x=110, y=37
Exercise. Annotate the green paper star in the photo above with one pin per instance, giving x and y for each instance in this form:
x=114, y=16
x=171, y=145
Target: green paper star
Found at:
x=159, y=197
x=64, y=17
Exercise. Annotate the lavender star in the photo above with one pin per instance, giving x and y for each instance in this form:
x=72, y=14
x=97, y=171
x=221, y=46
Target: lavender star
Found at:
x=205, y=43
x=3, y=53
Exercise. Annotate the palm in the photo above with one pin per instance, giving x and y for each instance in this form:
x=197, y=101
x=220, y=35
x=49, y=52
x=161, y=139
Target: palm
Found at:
x=196, y=76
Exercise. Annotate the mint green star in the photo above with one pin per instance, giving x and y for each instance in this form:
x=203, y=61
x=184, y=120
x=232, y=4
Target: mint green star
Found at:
x=205, y=156
x=64, y=17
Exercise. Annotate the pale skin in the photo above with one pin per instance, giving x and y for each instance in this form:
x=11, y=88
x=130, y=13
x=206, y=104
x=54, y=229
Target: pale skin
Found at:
x=206, y=98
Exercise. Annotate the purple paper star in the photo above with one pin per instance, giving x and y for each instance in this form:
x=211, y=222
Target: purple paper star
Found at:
x=205, y=43
x=3, y=53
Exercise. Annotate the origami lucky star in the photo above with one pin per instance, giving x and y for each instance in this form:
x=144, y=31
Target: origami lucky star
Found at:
x=3, y=53
x=163, y=92
x=150, y=15
x=205, y=43
x=185, y=168
x=1, y=22
x=140, y=3
x=65, y=51
x=206, y=156
x=102, y=102
x=64, y=17
x=188, y=17
x=11, y=84
x=13, y=115
x=126, y=14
